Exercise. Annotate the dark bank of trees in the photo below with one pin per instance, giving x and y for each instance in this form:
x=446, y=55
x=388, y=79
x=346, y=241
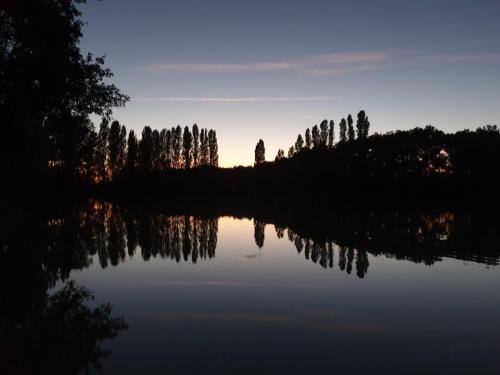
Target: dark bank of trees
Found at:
x=323, y=136
x=115, y=154
x=48, y=89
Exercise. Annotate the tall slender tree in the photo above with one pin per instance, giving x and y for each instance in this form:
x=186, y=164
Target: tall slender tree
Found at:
x=331, y=134
x=116, y=146
x=299, y=143
x=204, y=147
x=146, y=149
x=187, y=144
x=213, y=148
x=291, y=152
x=316, y=136
x=132, y=151
x=168, y=149
x=361, y=124
x=350, y=128
x=177, y=146
x=343, y=130
x=260, y=152
x=323, y=127
x=156, y=150
x=102, y=151
x=196, y=145
x=308, y=139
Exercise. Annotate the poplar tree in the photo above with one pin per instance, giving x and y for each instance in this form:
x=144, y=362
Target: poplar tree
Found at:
x=260, y=152
x=331, y=134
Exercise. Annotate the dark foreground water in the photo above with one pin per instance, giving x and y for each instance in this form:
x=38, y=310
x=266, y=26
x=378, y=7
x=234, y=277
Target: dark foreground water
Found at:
x=366, y=293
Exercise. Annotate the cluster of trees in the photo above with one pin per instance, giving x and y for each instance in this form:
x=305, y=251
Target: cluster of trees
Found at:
x=321, y=137
x=48, y=88
x=116, y=153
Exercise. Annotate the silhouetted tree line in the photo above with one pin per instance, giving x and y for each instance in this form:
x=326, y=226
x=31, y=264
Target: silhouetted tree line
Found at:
x=116, y=154
x=322, y=137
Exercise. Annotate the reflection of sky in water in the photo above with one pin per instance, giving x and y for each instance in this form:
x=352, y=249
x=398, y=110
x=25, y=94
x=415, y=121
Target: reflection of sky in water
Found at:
x=272, y=309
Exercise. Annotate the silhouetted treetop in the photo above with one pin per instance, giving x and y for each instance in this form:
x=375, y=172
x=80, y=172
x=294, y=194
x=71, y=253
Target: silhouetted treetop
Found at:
x=260, y=152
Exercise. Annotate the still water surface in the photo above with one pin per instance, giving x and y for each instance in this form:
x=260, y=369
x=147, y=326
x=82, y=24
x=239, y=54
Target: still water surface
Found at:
x=400, y=294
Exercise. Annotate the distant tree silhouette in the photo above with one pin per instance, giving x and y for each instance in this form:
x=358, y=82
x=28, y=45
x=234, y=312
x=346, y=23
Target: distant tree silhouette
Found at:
x=204, y=147
x=102, y=151
x=291, y=152
x=331, y=134
x=177, y=146
x=343, y=130
x=156, y=150
x=146, y=149
x=187, y=143
x=260, y=152
x=299, y=143
x=324, y=133
x=116, y=142
x=280, y=155
x=196, y=145
x=308, y=139
x=350, y=128
x=213, y=148
x=362, y=125
x=132, y=151
x=316, y=136
x=168, y=149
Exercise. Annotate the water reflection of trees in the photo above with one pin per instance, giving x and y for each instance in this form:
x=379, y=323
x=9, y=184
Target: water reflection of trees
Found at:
x=109, y=234
x=42, y=331
x=420, y=238
x=58, y=334
x=112, y=233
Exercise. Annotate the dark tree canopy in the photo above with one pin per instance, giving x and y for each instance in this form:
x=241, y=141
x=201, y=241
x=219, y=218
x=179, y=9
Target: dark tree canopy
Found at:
x=46, y=85
x=280, y=155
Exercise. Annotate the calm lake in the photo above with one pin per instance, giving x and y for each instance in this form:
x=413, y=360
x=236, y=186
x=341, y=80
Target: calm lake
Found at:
x=385, y=293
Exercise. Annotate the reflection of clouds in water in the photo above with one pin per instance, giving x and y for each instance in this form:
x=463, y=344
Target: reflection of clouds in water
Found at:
x=233, y=283
x=321, y=321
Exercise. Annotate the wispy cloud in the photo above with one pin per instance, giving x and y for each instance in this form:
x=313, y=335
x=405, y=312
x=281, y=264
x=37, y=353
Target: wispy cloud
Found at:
x=456, y=58
x=216, y=68
x=236, y=99
x=329, y=64
x=304, y=64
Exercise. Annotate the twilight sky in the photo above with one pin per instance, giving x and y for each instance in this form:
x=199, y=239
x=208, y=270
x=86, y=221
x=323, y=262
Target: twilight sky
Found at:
x=269, y=69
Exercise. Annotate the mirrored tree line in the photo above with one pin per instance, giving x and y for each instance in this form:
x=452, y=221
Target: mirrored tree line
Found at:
x=422, y=238
x=119, y=233
x=109, y=234
x=321, y=252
